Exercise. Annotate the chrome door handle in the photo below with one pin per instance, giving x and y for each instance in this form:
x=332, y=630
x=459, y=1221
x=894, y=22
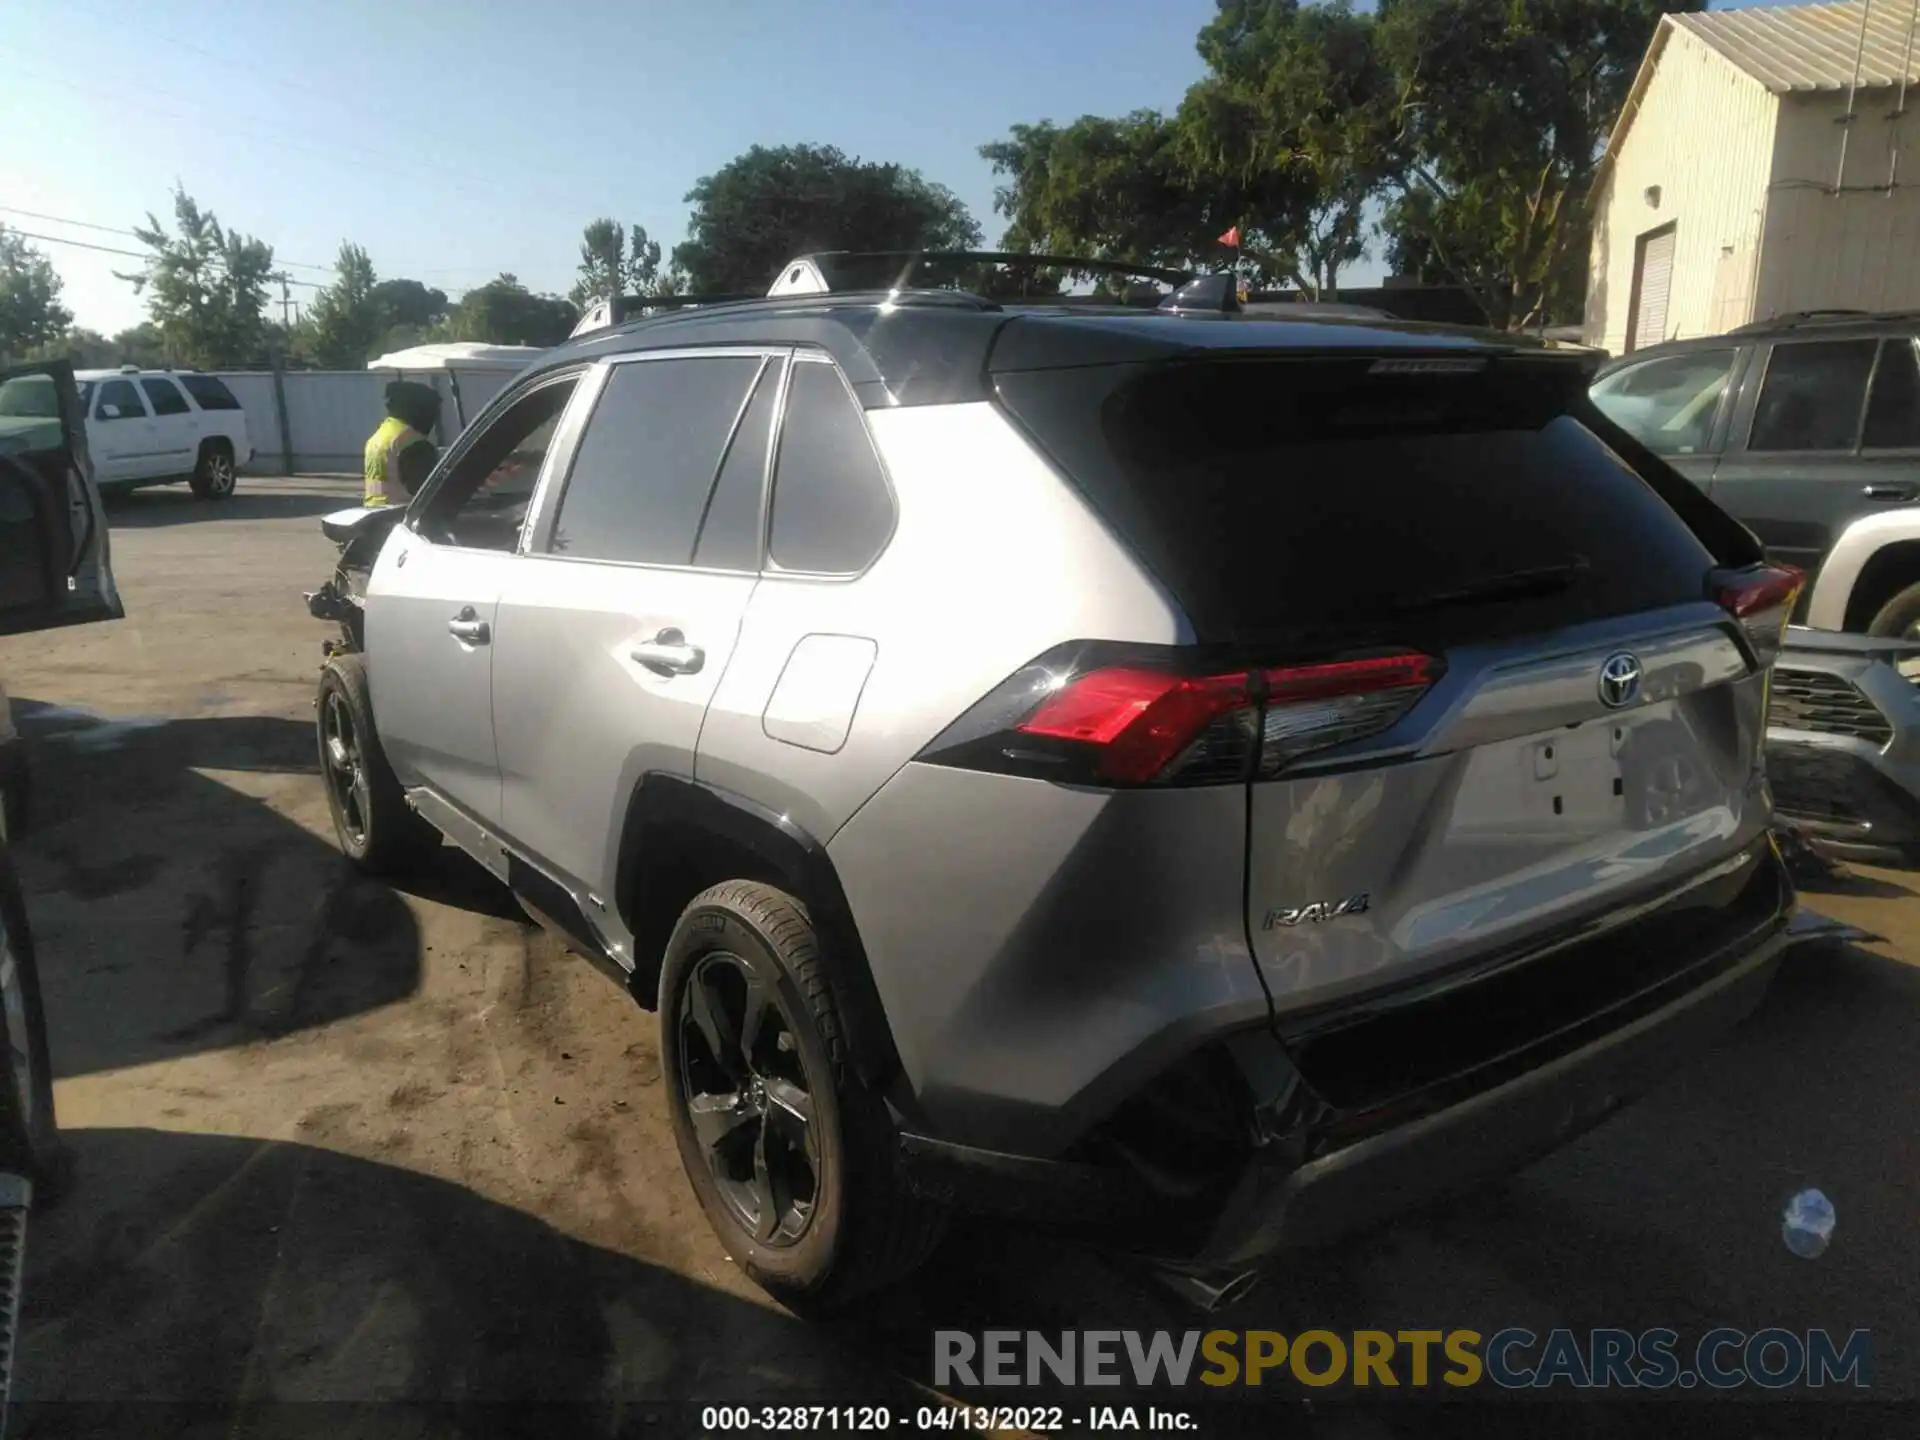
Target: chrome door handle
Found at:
x=669, y=654
x=1889, y=492
x=469, y=627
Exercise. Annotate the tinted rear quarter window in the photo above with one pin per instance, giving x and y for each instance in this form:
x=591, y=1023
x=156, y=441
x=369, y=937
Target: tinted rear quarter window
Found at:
x=1310, y=498
x=210, y=392
x=647, y=462
x=832, y=510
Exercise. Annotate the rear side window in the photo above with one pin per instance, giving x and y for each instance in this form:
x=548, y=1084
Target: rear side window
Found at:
x=1893, y=410
x=122, y=394
x=210, y=392
x=730, y=535
x=165, y=395
x=832, y=510
x=1813, y=396
x=1311, y=500
x=647, y=461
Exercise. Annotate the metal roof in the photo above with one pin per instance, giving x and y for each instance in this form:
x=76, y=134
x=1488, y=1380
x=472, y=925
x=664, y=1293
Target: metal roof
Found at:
x=1790, y=48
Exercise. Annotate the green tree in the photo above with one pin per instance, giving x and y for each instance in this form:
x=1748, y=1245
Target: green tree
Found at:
x=505, y=312
x=410, y=303
x=206, y=287
x=614, y=262
x=141, y=345
x=765, y=207
x=1505, y=110
x=31, y=314
x=87, y=349
x=1298, y=111
x=1125, y=189
x=347, y=318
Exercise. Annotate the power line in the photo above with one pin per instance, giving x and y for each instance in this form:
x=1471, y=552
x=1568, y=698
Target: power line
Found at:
x=122, y=230
x=132, y=254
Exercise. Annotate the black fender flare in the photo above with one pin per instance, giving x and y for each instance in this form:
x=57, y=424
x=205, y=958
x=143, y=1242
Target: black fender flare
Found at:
x=669, y=816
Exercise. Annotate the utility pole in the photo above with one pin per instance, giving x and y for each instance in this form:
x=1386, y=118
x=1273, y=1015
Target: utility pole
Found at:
x=286, y=298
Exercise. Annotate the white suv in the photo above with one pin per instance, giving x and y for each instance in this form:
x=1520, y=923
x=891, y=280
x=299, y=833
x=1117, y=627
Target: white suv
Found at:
x=150, y=427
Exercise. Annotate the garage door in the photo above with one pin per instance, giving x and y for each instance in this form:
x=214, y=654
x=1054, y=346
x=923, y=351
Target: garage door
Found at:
x=1652, y=286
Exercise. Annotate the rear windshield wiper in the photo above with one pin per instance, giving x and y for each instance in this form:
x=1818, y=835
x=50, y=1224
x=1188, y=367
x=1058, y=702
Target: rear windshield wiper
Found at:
x=1514, y=585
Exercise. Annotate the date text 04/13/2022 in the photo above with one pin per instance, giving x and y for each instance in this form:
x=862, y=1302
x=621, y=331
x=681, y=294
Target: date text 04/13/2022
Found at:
x=952, y=1419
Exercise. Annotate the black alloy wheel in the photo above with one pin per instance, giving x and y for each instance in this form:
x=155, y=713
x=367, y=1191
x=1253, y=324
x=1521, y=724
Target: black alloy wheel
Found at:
x=747, y=1098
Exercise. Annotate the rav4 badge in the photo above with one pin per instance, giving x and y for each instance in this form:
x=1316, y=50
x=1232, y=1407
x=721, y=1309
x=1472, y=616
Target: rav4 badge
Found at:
x=1318, y=911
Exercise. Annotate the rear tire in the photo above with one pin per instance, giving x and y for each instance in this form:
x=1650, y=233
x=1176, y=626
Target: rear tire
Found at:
x=1899, y=618
x=811, y=1208
x=378, y=831
x=213, y=474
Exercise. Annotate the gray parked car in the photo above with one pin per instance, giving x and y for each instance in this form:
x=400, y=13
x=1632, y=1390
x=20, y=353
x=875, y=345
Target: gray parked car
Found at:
x=1207, y=780
x=1843, y=743
x=1806, y=429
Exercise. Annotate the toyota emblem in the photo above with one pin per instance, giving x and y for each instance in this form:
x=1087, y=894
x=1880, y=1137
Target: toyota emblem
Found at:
x=1620, y=681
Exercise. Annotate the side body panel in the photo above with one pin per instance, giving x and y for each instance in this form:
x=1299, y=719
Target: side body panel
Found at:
x=962, y=596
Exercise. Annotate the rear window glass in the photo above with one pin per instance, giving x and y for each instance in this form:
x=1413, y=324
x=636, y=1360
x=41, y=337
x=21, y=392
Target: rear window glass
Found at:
x=210, y=391
x=1311, y=497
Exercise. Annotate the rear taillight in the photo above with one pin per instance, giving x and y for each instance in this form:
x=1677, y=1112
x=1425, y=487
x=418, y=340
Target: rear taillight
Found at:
x=1761, y=598
x=1072, y=718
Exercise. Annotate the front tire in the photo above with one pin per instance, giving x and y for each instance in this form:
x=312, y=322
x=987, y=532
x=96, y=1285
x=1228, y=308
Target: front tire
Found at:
x=1899, y=618
x=376, y=828
x=214, y=475
x=791, y=1156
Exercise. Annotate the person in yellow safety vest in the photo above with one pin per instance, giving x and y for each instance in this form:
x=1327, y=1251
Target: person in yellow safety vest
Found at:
x=400, y=454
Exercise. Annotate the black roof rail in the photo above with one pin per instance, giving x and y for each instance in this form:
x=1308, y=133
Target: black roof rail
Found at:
x=1794, y=319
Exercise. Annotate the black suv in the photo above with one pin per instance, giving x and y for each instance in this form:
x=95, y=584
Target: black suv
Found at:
x=1801, y=427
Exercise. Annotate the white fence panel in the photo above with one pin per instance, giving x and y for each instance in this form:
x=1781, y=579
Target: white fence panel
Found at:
x=330, y=413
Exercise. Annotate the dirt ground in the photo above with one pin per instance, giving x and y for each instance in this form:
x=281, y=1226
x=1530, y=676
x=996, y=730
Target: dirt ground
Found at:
x=343, y=1141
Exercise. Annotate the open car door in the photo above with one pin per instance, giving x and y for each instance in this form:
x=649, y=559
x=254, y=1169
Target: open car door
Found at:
x=54, y=565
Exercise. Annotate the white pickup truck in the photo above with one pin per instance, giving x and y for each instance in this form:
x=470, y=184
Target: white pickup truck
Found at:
x=152, y=427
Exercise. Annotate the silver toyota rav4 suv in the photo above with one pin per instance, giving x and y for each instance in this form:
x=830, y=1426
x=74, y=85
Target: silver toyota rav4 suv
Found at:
x=1200, y=778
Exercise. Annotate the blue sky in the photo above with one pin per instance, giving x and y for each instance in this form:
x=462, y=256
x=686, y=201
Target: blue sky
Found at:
x=457, y=140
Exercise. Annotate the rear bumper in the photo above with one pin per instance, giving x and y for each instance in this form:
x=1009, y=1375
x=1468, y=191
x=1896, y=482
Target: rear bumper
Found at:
x=1491, y=1134
x=1314, y=1167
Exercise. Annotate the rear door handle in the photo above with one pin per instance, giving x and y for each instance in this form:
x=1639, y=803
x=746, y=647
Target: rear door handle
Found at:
x=1889, y=492
x=469, y=627
x=669, y=654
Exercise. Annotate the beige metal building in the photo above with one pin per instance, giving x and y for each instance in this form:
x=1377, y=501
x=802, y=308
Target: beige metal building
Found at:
x=1735, y=188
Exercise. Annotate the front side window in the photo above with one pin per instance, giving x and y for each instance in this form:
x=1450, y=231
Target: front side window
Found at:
x=648, y=459
x=120, y=401
x=482, y=502
x=1668, y=405
x=832, y=510
x=1813, y=396
x=165, y=396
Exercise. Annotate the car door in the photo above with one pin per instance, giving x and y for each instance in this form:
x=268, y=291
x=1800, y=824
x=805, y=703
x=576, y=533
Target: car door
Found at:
x=433, y=592
x=1676, y=405
x=121, y=427
x=616, y=627
x=55, y=563
x=176, y=425
x=1792, y=471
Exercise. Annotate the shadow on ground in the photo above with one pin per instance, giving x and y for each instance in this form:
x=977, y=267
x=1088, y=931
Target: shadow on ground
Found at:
x=245, y=1271
x=175, y=912
x=177, y=505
